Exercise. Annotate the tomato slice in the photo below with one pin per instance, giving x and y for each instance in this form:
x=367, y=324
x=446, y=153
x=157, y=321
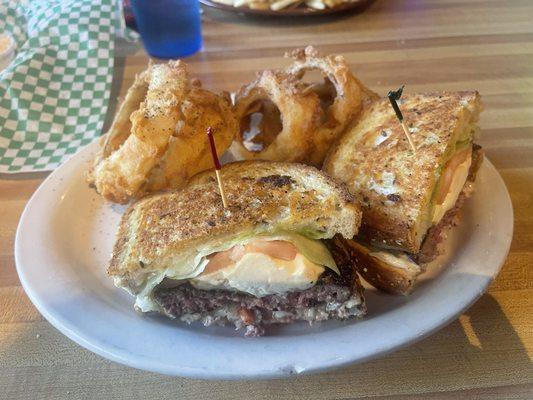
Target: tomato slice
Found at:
x=449, y=172
x=279, y=249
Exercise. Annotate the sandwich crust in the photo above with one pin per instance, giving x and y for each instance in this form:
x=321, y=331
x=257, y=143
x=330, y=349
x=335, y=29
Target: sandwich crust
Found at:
x=393, y=185
x=261, y=195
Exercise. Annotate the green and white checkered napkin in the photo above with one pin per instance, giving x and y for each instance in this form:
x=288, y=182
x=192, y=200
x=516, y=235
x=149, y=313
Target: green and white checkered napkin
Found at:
x=54, y=95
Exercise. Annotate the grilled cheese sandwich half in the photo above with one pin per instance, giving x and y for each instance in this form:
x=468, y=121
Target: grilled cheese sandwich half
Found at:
x=265, y=259
x=405, y=196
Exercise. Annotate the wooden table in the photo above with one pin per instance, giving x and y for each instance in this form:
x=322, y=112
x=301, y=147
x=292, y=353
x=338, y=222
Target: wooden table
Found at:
x=429, y=45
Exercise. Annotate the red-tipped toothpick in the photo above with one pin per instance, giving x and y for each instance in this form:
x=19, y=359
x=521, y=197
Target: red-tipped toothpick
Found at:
x=394, y=96
x=217, y=166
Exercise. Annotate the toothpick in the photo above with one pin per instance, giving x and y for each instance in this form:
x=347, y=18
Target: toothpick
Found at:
x=393, y=97
x=221, y=188
x=409, y=138
x=217, y=166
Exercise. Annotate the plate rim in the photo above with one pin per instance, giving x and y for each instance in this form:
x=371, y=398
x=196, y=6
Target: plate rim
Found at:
x=144, y=363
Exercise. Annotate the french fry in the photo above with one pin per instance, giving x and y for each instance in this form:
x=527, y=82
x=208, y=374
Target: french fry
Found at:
x=278, y=5
x=294, y=5
x=315, y=4
x=240, y=3
x=256, y=5
x=333, y=3
x=226, y=2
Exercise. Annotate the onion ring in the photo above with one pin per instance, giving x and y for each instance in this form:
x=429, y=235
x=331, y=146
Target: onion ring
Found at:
x=299, y=114
x=157, y=139
x=346, y=104
x=188, y=151
x=128, y=156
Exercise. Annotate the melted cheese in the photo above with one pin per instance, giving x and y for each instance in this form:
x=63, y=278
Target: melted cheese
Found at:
x=399, y=261
x=260, y=274
x=456, y=185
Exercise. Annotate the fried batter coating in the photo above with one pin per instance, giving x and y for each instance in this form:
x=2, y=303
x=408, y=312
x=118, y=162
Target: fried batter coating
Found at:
x=157, y=139
x=188, y=151
x=299, y=112
x=313, y=116
x=340, y=95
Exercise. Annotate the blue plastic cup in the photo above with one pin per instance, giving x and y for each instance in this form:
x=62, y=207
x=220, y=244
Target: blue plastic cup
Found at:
x=169, y=28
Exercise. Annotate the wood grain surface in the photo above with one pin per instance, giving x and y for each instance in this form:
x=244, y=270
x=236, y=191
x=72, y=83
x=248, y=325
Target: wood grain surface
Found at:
x=428, y=45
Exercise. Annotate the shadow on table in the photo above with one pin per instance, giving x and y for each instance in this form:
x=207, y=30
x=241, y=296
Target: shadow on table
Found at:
x=491, y=354
x=481, y=348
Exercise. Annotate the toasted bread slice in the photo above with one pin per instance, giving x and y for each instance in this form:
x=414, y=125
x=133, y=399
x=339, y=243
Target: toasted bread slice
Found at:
x=396, y=272
x=394, y=186
x=262, y=197
x=380, y=273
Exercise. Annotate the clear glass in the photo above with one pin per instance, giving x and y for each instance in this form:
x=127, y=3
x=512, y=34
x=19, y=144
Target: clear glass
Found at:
x=169, y=28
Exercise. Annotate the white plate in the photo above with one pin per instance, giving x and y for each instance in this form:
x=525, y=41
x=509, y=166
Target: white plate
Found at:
x=66, y=234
